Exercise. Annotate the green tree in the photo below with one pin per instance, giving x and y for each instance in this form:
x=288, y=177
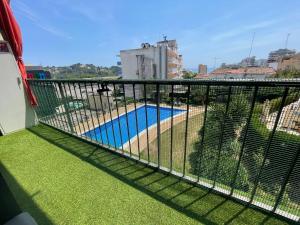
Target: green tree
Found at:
x=198, y=96
x=219, y=123
x=188, y=74
x=288, y=73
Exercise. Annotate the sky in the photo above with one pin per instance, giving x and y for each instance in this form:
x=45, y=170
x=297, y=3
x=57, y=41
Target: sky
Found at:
x=64, y=32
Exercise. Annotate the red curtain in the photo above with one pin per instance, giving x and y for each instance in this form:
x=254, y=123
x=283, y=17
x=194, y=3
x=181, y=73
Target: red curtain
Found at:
x=12, y=34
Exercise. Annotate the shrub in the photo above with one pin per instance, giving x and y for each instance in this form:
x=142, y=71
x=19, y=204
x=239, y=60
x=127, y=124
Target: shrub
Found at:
x=227, y=165
x=275, y=103
x=282, y=149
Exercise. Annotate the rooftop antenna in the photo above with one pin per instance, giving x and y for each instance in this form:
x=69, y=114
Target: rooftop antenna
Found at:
x=287, y=40
x=215, y=61
x=251, y=46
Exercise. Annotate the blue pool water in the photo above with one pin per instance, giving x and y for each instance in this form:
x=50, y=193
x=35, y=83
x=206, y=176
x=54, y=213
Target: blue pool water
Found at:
x=121, y=137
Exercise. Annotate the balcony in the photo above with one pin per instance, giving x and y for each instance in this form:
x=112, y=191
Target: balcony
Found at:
x=166, y=152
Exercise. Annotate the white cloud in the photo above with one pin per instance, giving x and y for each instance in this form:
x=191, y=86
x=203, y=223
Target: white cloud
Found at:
x=24, y=10
x=242, y=29
x=96, y=12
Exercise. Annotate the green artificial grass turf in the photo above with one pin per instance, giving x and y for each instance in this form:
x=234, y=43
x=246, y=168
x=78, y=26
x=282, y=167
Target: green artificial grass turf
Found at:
x=60, y=179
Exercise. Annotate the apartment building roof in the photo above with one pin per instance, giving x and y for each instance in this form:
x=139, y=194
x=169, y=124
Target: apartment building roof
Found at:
x=247, y=70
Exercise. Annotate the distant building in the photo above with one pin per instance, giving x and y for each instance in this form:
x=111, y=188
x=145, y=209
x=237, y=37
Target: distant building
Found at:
x=289, y=62
x=242, y=73
x=202, y=69
x=275, y=56
x=261, y=62
x=37, y=72
x=249, y=61
x=152, y=62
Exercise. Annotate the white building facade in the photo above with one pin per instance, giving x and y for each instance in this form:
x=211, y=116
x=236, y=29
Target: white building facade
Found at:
x=151, y=62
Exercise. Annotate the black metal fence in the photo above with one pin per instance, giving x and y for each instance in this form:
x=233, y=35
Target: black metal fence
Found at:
x=240, y=138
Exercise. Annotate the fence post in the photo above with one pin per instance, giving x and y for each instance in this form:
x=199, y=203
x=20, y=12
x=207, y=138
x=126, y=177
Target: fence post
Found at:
x=158, y=122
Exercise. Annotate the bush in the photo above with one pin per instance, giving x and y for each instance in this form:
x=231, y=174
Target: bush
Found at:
x=269, y=93
x=282, y=150
x=288, y=73
x=215, y=126
x=198, y=96
x=275, y=103
x=227, y=165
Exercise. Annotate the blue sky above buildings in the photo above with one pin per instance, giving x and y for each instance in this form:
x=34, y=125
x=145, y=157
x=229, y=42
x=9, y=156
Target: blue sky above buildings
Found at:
x=63, y=32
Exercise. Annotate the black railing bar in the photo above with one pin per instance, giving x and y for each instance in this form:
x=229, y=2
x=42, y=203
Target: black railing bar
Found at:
x=225, y=82
x=244, y=139
x=40, y=108
x=116, y=100
x=41, y=103
x=222, y=136
x=172, y=123
x=82, y=121
x=111, y=120
x=68, y=112
x=97, y=113
x=75, y=110
x=44, y=104
x=56, y=101
x=136, y=121
x=200, y=150
x=147, y=131
x=59, y=99
x=269, y=143
x=84, y=104
x=127, y=123
x=158, y=122
x=286, y=179
x=57, y=111
x=166, y=171
x=103, y=114
x=64, y=113
x=89, y=106
x=186, y=127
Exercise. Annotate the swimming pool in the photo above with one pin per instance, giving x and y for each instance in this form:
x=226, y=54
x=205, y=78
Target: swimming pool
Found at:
x=121, y=137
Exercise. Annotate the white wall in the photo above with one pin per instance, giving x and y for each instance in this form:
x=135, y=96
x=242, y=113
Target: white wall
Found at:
x=129, y=62
x=15, y=112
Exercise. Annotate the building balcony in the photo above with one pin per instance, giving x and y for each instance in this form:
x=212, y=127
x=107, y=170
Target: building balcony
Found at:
x=173, y=152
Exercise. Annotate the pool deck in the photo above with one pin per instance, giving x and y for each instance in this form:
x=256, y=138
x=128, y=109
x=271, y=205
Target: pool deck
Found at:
x=95, y=121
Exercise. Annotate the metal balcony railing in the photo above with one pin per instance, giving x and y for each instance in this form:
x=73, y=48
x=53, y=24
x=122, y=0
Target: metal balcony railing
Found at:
x=239, y=138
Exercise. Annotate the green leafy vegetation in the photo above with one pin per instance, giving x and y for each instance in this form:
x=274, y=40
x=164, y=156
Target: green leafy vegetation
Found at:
x=79, y=70
x=288, y=73
x=282, y=149
x=188, y=74
x=213, y=160
x=205, y=157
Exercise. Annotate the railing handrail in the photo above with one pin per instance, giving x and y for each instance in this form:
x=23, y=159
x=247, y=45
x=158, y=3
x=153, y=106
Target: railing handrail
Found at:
x=226, y=82
x=231, y=135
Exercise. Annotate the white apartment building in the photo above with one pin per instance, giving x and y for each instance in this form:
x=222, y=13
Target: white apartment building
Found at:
x=151, y=62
